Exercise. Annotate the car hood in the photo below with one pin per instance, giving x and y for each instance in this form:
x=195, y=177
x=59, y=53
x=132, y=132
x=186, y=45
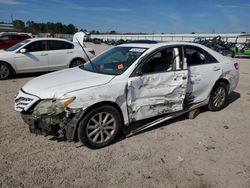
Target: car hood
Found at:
x=57, y=84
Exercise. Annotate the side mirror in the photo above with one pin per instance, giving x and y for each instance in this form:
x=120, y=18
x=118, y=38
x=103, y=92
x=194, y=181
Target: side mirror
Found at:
x=202, y=57
x=23, y=50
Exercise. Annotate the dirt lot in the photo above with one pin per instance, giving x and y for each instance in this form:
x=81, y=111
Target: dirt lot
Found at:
x=212, y=150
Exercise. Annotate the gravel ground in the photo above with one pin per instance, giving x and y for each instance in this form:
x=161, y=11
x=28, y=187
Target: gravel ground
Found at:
x=212, y=150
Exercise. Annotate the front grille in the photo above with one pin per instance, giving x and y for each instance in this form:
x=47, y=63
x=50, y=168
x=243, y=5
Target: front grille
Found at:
x=24, y=101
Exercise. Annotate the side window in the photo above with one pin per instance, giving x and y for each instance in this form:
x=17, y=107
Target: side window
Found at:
x=162, y=61
x=209, y=58
x=36, y=46
x=69, y=45
x=194, y=56
x=59, y=45
x=16, y=37
x=3, y=38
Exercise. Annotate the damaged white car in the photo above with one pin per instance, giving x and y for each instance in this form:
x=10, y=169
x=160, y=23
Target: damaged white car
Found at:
x=124, y=85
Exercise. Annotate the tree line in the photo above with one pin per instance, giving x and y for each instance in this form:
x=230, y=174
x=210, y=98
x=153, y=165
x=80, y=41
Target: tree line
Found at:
x=49, y=27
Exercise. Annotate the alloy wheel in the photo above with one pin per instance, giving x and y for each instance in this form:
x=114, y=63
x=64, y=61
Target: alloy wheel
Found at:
x=4, y=71
x=101, y=127
x=219, y=96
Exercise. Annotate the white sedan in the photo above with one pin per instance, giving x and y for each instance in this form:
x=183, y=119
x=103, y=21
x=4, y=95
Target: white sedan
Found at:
x=127, y=84
x=41, y=54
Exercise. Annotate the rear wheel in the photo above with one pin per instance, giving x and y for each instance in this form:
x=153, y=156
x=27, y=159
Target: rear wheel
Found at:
x=218, y=97
x=76, y=62
x=99, y=127
x=5, y=71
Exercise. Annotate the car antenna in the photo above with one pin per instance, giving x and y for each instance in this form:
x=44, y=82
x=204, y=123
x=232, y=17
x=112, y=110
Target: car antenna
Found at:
x=93, y=66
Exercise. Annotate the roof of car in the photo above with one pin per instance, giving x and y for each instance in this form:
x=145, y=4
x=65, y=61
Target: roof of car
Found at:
x=143, y=45
x=44, y=38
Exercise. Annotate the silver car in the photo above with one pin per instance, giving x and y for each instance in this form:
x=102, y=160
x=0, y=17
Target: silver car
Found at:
x=124, y=85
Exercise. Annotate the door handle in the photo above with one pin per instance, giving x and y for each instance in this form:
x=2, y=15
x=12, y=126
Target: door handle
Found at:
x=69, y=52
x=44, y=54
x=216, y=68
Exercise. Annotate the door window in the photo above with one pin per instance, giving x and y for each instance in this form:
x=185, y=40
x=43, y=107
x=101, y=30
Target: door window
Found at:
x=36, y=46
x=197, y=56
x=3, y=38
x=161, y=61
x=16, y=37
x=59, y=45
x=194, y=56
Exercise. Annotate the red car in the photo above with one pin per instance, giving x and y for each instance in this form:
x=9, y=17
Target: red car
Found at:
x=7, y=40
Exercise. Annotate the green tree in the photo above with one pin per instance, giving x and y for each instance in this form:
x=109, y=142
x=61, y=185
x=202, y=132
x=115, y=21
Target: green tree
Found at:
x=19, y=24
x=113, y=32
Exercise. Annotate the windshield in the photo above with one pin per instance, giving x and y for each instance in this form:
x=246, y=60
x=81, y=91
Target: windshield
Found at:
x=114, y=61
x=18, y=45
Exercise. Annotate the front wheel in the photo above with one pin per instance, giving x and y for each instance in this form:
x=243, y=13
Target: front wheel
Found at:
x=5, y=71
x=99, y=127
x=218, y=97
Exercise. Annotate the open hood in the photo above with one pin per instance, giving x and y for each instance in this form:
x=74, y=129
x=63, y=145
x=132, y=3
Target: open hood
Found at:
x=56, y=84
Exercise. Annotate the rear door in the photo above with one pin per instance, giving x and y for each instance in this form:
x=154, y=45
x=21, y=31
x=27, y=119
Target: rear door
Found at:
x=35, y=59
x=60, y=53
x=158, y=85
x=204, y=70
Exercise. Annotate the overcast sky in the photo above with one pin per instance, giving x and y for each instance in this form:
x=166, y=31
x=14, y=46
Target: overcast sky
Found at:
x=183, y=16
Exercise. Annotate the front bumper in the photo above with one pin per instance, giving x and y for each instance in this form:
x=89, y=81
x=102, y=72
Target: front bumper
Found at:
x=62, y=124
x=42, y=125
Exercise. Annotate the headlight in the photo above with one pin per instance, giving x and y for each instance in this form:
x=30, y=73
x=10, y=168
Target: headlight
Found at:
x=50, y=106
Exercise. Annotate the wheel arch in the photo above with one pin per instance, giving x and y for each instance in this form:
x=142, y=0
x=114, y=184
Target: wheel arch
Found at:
x=75, y=59
x=14, y=72
x=225, y=81
x=87, y=110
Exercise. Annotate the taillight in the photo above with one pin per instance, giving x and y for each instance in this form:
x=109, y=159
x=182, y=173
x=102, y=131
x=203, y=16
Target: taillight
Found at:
x=236, y=65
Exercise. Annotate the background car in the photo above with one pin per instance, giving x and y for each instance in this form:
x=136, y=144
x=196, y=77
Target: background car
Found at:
x=9, y=39
x=127, y=84
x=41, y=54
x=241, y=48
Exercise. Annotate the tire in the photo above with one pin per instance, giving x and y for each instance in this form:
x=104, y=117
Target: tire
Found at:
x=218, y=97
x=233, y=54
x=76, y=62
x=6, y=71
x=99, y=127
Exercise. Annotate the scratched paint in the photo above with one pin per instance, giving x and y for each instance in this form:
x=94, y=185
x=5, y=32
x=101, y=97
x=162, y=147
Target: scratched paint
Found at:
x=155, y=94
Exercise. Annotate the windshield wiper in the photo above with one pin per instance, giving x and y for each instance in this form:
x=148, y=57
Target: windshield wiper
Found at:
x=92, y=64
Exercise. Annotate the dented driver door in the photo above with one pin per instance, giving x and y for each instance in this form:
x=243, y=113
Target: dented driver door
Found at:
x=158, y=85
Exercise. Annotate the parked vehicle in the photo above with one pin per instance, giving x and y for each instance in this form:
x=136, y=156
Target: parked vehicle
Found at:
x=97, y=41
x=9, y=39
x=217, y=44
x=241, y=48
x=41, y=54
x=127, y=84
